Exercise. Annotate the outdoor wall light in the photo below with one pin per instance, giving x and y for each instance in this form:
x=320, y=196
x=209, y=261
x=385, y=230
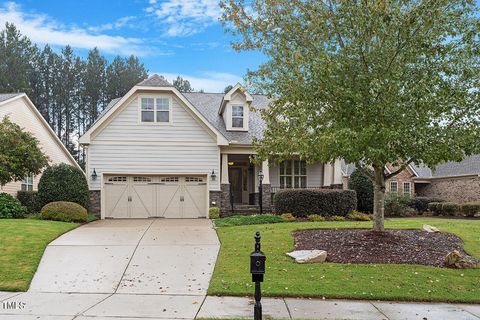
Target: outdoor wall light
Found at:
x=94, y=174
x=213, y=175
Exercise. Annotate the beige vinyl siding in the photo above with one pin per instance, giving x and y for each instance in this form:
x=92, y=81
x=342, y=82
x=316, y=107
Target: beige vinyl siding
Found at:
x=125, y=145
x=20, y=113
x=314, y=175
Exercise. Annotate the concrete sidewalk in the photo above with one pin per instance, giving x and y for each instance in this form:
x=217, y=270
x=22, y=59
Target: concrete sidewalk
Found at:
x=65, y=306
x=291, y=308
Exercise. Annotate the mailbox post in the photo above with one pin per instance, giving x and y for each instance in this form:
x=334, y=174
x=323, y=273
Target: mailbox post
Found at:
x=257, y=269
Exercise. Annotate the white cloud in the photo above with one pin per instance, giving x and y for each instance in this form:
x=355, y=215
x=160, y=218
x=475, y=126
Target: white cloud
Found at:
x=118, y=24
x=42, y=29
x=208, y=81
x=185, y=17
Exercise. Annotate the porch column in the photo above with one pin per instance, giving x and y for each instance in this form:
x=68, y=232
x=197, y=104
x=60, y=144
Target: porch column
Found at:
x=266, y=172
x=327, y=174
x=225, y=205
x=337, y=173
x=224, y=173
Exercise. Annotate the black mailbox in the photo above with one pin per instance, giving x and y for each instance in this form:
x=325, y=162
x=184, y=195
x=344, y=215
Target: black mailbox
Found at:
x=257, y=261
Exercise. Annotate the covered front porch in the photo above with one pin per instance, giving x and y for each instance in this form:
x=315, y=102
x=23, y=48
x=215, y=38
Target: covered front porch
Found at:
x=240, y=179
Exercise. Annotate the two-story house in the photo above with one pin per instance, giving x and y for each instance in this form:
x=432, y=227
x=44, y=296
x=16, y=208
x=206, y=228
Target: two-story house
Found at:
x=157, y=152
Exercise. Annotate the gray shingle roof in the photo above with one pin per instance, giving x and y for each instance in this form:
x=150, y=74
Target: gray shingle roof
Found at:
x=108, y=107
x=469, y=165
x=155, y=81
x=208, y=104
x=6, y=96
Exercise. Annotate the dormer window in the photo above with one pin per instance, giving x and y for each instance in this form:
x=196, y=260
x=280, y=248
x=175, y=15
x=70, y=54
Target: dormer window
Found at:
x=237, y=116
x=154, y=110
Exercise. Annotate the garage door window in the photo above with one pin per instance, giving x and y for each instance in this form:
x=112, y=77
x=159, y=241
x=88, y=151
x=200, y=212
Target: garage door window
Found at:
x=142, y=179
x=117, y=179
x=193, y=179
x=170, y=179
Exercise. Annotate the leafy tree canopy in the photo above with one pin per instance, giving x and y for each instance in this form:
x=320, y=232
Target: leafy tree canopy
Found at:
x=372, y=82
x=20, y=154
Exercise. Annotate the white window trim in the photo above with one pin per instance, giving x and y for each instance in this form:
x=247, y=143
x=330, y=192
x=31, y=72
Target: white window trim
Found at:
x=155, y=97
x=238, y=117
x=26, y=184
x=229, y=112
x=409, y=188
x=390, y=186
x=292, y=175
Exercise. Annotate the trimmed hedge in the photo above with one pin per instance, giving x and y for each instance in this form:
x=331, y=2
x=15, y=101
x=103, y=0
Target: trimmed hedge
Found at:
x=421, y=203
x=10, y=207
x=325, y=202
x=363, y=186
x=444, y=208
x=470, y=208
x=30, y=201
x=63, y=182
x=214, y=213
x=64, y=211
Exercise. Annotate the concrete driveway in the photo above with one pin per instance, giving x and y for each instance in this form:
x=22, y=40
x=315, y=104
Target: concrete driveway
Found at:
x=158, y=268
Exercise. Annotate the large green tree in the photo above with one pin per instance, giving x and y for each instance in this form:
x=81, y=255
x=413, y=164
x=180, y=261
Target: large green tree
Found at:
x=369, y=81
x=183, y=85
x=20, y=154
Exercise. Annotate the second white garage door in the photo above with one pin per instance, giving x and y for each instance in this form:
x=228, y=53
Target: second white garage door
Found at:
x=155, y=196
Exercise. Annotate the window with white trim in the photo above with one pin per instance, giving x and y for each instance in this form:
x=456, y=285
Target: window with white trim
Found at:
x=155, y=110
x=27, y=183
x=293, y=174
x=393, y=186
x=237, y=116
x=407, y=188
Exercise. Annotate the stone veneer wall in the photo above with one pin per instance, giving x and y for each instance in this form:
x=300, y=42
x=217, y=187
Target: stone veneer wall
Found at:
x=460, y=189
x=94, y=202
x=215, y=199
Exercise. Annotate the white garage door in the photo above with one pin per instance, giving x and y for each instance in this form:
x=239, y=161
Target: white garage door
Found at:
x=171, y=196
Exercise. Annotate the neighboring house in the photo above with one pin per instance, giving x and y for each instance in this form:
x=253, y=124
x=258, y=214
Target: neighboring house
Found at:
x=450, y=181
x=156, y=152
x=20, y=110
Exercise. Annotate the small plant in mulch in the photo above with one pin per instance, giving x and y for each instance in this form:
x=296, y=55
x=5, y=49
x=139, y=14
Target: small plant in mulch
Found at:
x=337, y=218
x=389, y=247
x=358, y=216
x=288, y=217
x=315, y=217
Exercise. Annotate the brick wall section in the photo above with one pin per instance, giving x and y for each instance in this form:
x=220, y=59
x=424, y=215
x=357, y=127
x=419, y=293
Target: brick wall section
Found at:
x=404, y=176
x=459, y=189
x=94, y=203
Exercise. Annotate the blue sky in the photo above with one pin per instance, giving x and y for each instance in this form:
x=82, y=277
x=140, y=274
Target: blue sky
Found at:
x=170, y=36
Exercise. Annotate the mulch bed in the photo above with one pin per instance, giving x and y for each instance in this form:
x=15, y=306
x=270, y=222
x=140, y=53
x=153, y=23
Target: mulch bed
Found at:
x=389, y=247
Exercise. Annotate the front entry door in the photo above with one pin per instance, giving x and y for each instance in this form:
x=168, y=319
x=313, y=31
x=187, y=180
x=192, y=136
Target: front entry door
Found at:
x=235, y=177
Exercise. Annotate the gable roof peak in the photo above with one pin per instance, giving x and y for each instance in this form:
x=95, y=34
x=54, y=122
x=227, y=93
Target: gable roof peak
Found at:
x=228, y=96
x=155, y=81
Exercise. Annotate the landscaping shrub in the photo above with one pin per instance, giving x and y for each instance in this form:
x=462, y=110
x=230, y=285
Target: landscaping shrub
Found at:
x=421, y=203
x=288, y=217
x=337, y=218
x=358, y=216
x=435, y=208
x=397, y=205
x=241, y=220
x=64, y=211
x=302, y=202
x=315, y=217
x=63, y=182
x=214, y=213
x=450, y=208
x=29, y=199
x=470, y=208
x=363, y=186
x=10, y=207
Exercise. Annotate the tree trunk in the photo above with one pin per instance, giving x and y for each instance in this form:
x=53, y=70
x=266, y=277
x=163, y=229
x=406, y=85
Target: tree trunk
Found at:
x=379, y=200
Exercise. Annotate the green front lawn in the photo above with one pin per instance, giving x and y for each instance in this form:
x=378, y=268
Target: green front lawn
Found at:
x=333, y=280
x=22, y=242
